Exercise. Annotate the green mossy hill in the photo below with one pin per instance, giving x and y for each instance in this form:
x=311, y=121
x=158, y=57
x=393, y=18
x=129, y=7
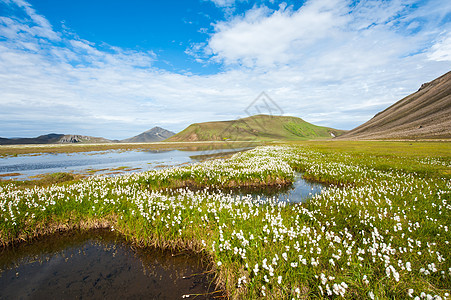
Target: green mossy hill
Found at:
x=259, y=127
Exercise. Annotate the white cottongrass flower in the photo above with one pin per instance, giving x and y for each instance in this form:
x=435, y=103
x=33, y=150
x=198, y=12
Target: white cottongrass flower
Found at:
x=256, y=269
x=408, y=266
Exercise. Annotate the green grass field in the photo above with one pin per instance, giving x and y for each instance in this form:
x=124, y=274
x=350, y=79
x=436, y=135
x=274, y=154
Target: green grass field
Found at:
x=256, y=128
x=381, y=231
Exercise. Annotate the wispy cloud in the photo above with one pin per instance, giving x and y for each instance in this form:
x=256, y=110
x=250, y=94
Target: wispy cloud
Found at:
x=441, y=50
x=329, y=62
x=224, y=3
x=37, y=26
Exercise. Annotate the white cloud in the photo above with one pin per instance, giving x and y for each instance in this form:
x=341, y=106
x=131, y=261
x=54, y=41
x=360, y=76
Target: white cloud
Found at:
x=41, y=26
x=265, y=38
x=328, y=31
x=223, y=3
x=328, y=62
x=441, y=50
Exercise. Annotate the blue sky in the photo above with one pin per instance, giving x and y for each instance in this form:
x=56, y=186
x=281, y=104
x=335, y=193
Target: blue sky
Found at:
x=117, y=68
x=139, y=25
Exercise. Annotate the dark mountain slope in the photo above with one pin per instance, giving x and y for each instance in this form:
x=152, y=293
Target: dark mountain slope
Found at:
x=42, y=139
x=54, y=138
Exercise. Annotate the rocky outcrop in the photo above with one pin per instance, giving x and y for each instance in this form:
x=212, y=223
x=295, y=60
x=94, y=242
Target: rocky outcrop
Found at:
x=68, y=139
x=73, y=138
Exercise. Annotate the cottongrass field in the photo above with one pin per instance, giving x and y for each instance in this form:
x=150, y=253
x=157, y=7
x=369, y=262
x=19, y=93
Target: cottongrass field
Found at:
x=382, y=229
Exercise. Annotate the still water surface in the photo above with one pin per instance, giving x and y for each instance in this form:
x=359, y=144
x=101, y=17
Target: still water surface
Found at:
x=101, y=162
x=99, y=264
x=300, y=191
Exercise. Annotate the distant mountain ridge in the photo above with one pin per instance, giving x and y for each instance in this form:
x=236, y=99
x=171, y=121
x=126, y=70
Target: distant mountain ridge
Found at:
x=258, y=127
x=55, y=138
x=425, y=114
x=42, y=139
x=155, y=134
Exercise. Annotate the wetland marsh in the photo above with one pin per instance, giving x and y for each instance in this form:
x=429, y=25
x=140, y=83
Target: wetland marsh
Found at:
x=381, y=230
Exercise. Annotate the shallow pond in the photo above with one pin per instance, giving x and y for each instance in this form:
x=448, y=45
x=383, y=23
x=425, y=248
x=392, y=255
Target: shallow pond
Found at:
x=300, y=191
x=101, y=162
x=99, y=264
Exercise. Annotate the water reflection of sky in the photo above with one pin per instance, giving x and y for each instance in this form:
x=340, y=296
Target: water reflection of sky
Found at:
x=99, y=162
x=300, y=191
